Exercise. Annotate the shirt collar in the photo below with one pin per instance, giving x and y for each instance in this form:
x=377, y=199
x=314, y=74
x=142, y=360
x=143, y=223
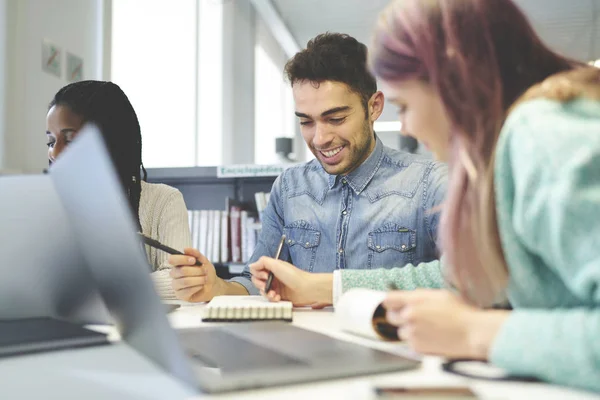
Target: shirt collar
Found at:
x=363, y=174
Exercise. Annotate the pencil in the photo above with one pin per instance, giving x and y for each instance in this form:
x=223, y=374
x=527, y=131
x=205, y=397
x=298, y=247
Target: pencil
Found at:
x=158, y=245
x=270, y=278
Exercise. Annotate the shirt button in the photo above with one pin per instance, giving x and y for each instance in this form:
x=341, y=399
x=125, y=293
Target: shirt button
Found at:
x=307, y=244
x=344, y=181
x=341, y=250
x=377, y=247
x=403, y=246
x=289, y=241
x=344, y=212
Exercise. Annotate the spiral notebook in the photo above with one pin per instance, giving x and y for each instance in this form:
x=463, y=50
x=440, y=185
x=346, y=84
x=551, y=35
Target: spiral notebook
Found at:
x=246, y=308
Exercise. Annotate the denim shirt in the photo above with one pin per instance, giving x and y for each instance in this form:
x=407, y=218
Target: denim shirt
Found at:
x=378, y=216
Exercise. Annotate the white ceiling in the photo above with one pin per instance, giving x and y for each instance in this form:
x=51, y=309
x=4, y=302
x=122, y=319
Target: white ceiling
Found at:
x=569, y=26
x=307, y=18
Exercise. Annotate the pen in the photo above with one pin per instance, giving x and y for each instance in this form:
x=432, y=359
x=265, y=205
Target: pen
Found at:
x=158, y=245
x=270, y=278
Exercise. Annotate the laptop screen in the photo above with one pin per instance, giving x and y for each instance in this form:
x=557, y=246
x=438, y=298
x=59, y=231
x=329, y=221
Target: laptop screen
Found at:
x=100, y=217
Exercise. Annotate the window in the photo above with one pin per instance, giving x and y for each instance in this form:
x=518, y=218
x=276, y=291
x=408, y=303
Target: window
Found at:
x=273, y=112
x=153, y=60
x=209, y=148
x=167, y=57
x=273, y=102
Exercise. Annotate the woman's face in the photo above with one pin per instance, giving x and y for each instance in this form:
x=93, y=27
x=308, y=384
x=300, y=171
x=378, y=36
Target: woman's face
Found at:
x=62, y=126
x=421, y=113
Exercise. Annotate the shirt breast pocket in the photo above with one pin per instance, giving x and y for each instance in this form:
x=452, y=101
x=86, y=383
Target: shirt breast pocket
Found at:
x=391, y=246
x=302, y=242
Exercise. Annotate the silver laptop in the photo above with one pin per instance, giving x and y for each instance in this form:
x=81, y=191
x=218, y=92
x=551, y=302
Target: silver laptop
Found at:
x=43, y=272
x=214, y=359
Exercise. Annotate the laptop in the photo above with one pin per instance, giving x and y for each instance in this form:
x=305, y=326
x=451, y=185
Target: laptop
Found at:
x=214, y=359
x=43, y=271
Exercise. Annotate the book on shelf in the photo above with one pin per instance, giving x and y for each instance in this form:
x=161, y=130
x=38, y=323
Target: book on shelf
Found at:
x=235, y=210
x=261, y=199
x=244, y=234
x=202, y=233
x=192, y=225
x=210, y=236
x=216, y=233
x=225, y=236
x=194, y=217
x=225, y=253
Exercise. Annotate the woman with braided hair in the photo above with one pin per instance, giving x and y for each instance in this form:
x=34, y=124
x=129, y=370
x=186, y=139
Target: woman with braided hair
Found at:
x=160, y=210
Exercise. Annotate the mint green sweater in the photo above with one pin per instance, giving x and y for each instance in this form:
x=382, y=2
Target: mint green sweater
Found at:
x=547, y=182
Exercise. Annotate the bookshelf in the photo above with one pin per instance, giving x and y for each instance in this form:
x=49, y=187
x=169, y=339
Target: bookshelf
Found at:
x=203, y=189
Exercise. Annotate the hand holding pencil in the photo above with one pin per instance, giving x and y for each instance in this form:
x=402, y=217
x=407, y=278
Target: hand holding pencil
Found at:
x=279, y=280
x=194, y=276
x=158, y=245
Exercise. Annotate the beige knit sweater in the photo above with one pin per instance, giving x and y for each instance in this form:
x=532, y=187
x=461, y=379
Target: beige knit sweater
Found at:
x=164, y=217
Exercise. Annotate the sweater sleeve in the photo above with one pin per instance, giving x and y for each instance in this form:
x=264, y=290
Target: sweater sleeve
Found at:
x=555, y=161
x=174, y=231
x=409, y=277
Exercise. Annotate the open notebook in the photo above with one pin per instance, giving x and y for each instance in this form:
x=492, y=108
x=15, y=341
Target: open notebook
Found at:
x=360, y=311
x=246, y=308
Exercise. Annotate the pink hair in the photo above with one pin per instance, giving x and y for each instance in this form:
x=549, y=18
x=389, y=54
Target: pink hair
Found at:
x=479, y=56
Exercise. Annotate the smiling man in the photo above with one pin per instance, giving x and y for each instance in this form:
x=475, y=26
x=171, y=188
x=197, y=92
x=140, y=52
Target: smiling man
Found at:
x=359, y=204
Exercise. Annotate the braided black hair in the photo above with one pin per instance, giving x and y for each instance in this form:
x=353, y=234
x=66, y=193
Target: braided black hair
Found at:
x=107, y=106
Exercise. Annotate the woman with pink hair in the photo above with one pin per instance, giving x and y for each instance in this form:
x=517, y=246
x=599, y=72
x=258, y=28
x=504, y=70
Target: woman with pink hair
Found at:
x=519, y=126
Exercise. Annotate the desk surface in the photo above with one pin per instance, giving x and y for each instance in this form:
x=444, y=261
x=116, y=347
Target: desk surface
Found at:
x=116, y=372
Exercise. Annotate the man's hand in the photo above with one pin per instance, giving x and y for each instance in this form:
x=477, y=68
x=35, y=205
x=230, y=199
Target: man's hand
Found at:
x=291, y=283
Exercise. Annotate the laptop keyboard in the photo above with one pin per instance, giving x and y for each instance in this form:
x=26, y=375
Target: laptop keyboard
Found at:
x=216, y=348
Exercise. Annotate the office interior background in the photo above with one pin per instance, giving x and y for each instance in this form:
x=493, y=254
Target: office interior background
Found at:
x=205, y=76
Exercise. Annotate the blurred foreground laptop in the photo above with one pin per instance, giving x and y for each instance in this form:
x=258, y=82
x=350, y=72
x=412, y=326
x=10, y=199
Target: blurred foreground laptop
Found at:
x=46, y=292
x=215, y=359
x=43, y=271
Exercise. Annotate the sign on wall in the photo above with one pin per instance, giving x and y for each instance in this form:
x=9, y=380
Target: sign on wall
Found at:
x=74, y=68
x=248, y=170
x=51, y=58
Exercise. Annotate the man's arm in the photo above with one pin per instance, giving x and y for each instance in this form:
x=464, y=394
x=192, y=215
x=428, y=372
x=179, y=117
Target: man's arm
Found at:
x=193, y=283
x=270, y=235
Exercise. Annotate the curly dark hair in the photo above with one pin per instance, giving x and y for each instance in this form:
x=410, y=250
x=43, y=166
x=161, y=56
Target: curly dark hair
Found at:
x=334, y=57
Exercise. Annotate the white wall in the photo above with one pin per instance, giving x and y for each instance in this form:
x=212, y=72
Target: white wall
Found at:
x=3, y=75
x=76, y=26
x=239, y=24
x=73, y=25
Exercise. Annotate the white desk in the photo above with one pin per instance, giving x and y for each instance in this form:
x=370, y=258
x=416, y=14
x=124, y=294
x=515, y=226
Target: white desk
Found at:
x=117, y=372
